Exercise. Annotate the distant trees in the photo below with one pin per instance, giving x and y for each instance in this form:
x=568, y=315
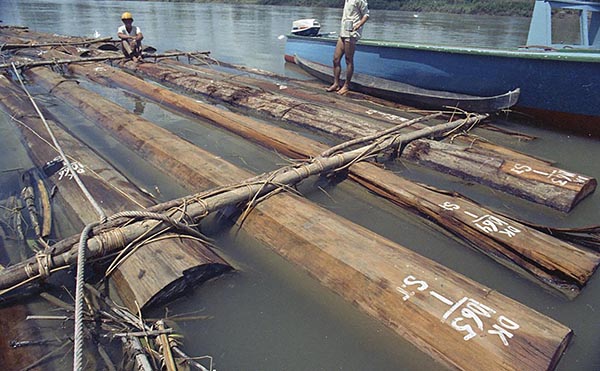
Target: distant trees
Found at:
x=492, y=7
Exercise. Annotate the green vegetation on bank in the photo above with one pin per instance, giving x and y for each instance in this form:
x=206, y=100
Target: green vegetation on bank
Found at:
x=492, y=7
x=495, y=7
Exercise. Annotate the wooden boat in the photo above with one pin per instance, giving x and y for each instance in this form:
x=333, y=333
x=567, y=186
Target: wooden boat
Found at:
x=561, y=79
x=412, y=95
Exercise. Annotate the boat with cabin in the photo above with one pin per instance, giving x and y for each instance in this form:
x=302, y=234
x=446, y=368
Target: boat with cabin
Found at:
x=306, y=27
x=556, y=80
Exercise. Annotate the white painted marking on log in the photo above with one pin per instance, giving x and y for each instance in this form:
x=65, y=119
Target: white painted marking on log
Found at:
x=466, y=315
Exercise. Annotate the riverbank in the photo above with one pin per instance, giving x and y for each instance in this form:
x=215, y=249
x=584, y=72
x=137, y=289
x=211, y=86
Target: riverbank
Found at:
x=520, y=8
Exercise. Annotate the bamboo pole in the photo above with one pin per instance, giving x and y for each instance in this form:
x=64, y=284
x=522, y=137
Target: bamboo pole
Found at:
x=166, y=348
x=554, y=187
x=551, y=262
x=418, y=298
x=41, y=45
x=46, y=206
x=53, y=62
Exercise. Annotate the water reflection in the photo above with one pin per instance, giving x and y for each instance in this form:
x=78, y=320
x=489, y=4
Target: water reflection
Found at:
x=248, y=34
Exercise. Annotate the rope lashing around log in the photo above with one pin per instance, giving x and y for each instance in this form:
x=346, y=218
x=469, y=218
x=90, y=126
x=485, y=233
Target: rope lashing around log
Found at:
x=43, y=261
x=124, y=253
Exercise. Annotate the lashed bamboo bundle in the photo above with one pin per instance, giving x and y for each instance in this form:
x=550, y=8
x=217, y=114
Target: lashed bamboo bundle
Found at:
x=47, y=44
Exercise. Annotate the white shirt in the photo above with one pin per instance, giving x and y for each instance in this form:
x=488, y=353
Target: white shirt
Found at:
x=354, y=10
x=134, y=30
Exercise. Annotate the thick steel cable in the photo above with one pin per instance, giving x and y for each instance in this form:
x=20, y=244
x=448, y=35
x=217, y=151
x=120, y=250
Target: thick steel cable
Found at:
x=78, y=332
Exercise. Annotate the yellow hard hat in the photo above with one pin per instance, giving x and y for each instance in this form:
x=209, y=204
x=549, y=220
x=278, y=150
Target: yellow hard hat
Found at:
x=126, y=15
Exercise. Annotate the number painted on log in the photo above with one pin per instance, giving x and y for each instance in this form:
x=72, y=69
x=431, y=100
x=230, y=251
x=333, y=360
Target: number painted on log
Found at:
x=487, y=223
x=555, y=176
x=65, y=173
x=466, y=315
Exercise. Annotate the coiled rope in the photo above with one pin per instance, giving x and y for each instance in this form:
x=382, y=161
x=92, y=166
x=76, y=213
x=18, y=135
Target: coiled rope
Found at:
x=78, y=333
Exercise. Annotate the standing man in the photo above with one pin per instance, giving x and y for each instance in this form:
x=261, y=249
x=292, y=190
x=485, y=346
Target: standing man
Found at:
x=131, y=38
x=355, y=15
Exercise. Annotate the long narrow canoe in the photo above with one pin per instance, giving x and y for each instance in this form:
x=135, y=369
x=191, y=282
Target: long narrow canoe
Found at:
x=412, y=95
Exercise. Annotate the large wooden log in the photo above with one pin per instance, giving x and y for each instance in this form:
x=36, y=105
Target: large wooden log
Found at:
x=550, y=261
x=160, y=270
x=495, y=172
x=428, y=304
x=554, y=187
x=306, y=90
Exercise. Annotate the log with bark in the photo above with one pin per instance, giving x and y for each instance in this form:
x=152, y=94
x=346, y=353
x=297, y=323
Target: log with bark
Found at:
x=306, y=90
x=420, y=299
x=556, y=188
x=552, y=262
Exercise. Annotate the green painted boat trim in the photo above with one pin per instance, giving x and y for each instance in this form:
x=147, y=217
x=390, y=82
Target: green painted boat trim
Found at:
x=572, y=55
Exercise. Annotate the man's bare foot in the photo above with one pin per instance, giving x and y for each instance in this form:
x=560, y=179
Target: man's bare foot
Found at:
x=343, y=90
x=334, y=87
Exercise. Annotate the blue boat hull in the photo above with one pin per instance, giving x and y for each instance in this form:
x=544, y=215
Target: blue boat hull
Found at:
x=552, y=81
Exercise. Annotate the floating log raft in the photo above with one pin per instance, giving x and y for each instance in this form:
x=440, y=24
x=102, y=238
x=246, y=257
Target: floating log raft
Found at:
x=559, y=189
x=552, y=186
x=552, y=262
x=418, y=298
x=160, y=270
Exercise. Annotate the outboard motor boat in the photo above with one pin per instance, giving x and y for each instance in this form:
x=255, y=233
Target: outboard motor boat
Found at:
x=306, y=27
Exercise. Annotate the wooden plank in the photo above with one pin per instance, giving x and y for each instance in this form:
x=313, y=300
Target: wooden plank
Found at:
x=418, y=298
x=142, y=278
x=550, y=261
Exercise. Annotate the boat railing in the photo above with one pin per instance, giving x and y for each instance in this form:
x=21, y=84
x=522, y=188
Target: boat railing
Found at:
x=540, y=28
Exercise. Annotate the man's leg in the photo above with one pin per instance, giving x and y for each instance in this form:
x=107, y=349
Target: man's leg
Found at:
x=137, y=51
x=350, y=47
x=337, y=64
x=126, y=48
